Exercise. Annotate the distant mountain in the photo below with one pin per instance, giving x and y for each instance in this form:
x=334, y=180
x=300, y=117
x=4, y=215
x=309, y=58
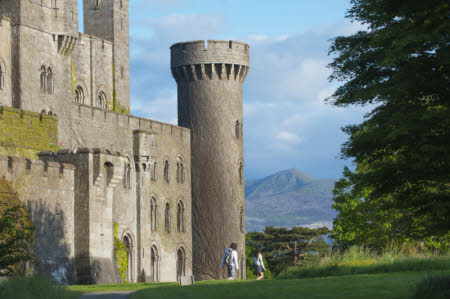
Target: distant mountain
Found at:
x=288, y=198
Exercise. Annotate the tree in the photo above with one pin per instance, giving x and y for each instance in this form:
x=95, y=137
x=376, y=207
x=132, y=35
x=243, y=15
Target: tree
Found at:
x=282, y=247
x=16, y=230
x=400, y=188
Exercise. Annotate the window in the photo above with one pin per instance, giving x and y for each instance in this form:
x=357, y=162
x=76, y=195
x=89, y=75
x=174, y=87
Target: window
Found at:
x=181, y=263
x=98, y=3
x=121, y=3
x=238, y=129
x=49, y=82
x=182, y=173
x=242, y=220
x=79, y=95
x=2, y=76
x=167, y=218
x=101, y=101
x=166, y=171
x=122, y=72
x=43, y=78
x=153, y=176
x=180, y=170
x=127, y=177
x=241, y=170
x=153, y=214
x=155, y=263
x=180, y=217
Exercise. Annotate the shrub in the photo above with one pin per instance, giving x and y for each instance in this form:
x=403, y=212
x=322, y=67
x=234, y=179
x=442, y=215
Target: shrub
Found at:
x=433, y=286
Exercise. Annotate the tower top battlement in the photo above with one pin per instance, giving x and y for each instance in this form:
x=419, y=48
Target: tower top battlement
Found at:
x=211, y=51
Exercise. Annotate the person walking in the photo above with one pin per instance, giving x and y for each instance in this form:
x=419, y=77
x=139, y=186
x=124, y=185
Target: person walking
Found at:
x=230, y=259
x=259, y=264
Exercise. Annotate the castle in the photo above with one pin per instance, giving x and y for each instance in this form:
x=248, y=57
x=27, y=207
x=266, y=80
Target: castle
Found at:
x=174, y=195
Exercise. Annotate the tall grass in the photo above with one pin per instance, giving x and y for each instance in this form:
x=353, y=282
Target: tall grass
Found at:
x=34, y=287
x=361, y=260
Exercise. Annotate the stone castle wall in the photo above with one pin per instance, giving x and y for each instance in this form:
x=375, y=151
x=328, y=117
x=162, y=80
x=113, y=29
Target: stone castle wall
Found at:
x=47, y=188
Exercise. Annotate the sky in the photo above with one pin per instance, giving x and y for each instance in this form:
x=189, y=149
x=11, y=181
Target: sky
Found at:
x=287, y=124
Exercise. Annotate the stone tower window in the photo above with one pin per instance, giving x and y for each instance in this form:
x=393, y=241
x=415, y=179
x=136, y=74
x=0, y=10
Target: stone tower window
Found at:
x=241, y=172
x=238, y=130
x=2, y=76
x=241, y=217
x=98, y=4
x=121, y=3
x=167, y=218
x=180, y=217
x=122, y=72
x=79, y=95
x=49, y=80
x=101, y=101
x=127, y=177
x=181, y=263
x=43, y=78
x=153, y=175
x=153, y=208
x=166, y=171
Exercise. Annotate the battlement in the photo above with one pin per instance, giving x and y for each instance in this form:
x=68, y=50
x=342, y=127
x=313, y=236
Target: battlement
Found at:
x=38, y=173
x=209, y=52
x=112, y=119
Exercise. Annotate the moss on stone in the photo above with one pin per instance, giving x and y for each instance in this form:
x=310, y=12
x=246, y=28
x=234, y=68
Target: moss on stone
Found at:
x=24, y=133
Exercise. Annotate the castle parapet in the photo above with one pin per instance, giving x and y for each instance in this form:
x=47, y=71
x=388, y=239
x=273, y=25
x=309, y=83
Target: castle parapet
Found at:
x=211, y=60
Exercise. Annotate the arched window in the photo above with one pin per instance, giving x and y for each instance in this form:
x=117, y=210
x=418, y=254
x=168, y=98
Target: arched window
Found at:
x=241, y=172
x=109, y=172
x=238, y=129
x=49, y=80
x=121, y=3
x=167, y=218
x=43, y=78
x=166, y=171
x=2, y=76
x=181, y=263
x=241, y=217
x=180, y=217
x=178, y=171
x=129, y=244
x=101, y=101
x=79, y=95
x=182, y=173
x=98, y=3
x=155, y=263
x=153, y=214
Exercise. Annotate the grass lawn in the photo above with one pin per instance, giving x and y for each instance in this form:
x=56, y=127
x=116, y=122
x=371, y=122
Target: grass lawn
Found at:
x=385, y=286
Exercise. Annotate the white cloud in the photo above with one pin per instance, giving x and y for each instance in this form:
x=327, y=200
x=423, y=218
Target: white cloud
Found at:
x=288, y=137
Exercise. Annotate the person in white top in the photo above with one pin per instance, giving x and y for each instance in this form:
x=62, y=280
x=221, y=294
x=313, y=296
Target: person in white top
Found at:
x=230, y=259
x=259, y=264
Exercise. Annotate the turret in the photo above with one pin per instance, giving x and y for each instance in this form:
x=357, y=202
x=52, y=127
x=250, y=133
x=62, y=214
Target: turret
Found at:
x=210, y=79
x=109, y=19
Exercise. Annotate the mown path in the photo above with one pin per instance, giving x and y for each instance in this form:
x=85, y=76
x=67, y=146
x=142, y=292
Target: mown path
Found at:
x=108, y=295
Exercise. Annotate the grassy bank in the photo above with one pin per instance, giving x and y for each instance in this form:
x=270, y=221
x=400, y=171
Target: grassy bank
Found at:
x=35, y=287
x=386, y=285
x=361, y=261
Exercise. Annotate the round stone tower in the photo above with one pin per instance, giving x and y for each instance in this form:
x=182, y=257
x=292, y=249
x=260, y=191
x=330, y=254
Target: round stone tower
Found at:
x=209, y=78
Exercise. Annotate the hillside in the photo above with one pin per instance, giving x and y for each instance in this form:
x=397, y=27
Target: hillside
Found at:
x=288, y=198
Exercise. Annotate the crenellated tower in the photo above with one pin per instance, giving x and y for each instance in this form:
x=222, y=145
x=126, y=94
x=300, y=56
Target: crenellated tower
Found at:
x=109, y=20
x=210, y=79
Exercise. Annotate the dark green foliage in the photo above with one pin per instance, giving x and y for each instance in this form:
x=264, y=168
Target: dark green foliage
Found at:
x=433, y=286
x=282, y=247
x=16, y=231
x=121, y=255
x=400, y=189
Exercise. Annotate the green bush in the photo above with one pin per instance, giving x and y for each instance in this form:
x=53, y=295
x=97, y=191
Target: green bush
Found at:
x=433, y=286
x=34, y=287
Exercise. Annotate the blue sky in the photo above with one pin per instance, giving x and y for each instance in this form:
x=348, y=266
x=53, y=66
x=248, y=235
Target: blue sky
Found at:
x=286, y=122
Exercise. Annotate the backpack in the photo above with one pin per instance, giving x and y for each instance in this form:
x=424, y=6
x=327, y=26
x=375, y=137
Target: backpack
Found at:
x=229, y=257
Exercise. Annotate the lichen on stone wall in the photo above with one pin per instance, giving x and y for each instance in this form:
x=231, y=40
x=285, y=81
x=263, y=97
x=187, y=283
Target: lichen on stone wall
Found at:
x=24, y=133
x=121, y=254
